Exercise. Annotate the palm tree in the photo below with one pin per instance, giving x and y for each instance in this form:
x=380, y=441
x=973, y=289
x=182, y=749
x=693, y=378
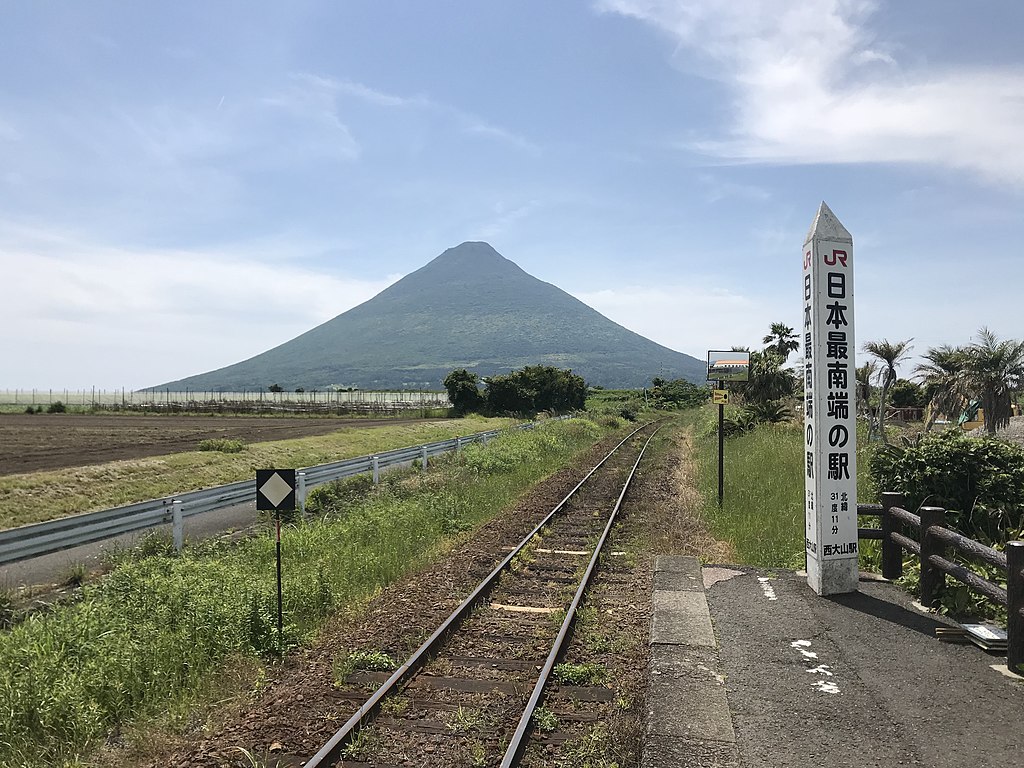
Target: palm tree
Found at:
x=767, y=379
x=864, y=374
x=993, y=372
x=782, y=340
x=942, y=376
x=890, y=354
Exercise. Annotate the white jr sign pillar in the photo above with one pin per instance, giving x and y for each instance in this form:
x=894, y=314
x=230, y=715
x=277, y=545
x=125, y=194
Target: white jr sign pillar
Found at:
x=830, y=429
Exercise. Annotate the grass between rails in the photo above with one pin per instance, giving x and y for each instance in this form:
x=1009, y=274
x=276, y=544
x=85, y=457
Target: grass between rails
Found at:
x=38, y=496
x=763, y=509
x=143, y=640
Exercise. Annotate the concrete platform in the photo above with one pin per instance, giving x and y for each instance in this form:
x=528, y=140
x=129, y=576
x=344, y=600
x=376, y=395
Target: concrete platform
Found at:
x=754, y=670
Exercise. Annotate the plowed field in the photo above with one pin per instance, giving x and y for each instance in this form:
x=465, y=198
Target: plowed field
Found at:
x=29, y=443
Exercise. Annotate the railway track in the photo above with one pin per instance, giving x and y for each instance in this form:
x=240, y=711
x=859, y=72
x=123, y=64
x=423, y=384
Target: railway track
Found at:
x=484, y=688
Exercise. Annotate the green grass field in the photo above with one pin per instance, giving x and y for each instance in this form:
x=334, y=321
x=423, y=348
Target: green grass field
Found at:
x=30, y=498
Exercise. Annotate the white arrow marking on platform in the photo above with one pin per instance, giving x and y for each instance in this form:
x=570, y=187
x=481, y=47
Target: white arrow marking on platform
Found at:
x=826, y=687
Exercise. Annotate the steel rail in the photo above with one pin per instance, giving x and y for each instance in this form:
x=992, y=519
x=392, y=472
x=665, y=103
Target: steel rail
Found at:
x=331, y=750
x=37, y=539
x=519, y=739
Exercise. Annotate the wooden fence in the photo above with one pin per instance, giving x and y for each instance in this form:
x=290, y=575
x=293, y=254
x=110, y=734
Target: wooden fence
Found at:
x=932, y=545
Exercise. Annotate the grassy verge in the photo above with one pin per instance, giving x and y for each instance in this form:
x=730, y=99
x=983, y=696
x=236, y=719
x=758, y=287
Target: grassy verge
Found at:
x=156, y=630
x=762, y=513
x=37, y=496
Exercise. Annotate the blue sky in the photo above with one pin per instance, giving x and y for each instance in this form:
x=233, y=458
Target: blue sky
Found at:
x=184, y=185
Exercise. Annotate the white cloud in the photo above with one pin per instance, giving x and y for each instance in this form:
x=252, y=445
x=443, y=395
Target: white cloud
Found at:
x=504, y=218
x=473, y=125
x=130, y=317
x=374, y=96
x=466, y=122
x=311, y=101
x=811, y=85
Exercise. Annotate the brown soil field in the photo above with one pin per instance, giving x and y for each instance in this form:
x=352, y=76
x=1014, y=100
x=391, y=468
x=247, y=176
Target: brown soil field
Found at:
x=29, y=443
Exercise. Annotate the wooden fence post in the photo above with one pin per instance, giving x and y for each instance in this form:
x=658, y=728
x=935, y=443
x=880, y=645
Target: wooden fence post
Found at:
x=892, y=553
x=932, y=579
x=1015, y=605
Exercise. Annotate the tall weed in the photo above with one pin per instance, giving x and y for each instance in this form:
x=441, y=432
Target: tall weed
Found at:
x=762, y=513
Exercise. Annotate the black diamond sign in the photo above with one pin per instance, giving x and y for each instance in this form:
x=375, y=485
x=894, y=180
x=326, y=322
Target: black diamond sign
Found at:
x=275, y=489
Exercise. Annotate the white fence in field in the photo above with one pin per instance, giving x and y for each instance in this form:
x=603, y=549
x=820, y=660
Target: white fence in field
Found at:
x=128, y=399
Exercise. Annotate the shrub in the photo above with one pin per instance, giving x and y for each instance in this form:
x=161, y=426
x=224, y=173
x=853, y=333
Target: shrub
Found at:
x=30, y=409
x=737, y=424
x=678, y=393
x=56, y=407
x=768, y=412
x=222, y=444
x=536, y=388
x=463, y=391
x=980, y=481
x=907, y=394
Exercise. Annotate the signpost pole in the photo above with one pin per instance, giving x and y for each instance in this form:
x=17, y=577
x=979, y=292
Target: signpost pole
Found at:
x=721, y=447
x=830, y=427
x=275, y=491
x=730, y=365
x=280, y=610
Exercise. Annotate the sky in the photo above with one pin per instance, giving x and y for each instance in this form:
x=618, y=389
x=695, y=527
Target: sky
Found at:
x=184, y=185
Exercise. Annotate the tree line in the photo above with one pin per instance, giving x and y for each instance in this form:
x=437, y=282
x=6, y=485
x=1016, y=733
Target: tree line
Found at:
x=530, y=390
x=987, y=373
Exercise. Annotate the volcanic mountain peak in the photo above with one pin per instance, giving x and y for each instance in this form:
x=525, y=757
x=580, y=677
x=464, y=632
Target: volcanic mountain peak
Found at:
x=469, y=308
x=466, y=263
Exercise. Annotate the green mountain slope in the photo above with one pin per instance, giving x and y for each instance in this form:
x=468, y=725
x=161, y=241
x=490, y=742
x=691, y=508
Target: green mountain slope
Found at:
x=468, y=308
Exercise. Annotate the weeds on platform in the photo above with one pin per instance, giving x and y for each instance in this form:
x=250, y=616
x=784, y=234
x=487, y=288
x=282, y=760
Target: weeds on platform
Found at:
x=156, y=629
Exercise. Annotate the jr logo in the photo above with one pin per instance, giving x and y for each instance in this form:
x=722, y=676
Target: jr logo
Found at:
x=839, y=256
x=807, y=259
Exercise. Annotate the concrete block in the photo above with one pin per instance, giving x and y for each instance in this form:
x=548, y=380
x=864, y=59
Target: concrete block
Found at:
x=681, y=618
x=678, y=581
x=687, y=697
x=671, y=752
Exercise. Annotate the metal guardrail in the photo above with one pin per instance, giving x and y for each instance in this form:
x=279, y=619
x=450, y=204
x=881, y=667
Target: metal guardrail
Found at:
x=38, y=539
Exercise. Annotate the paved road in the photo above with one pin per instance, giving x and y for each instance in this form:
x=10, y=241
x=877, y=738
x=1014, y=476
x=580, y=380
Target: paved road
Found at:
x=856, y=681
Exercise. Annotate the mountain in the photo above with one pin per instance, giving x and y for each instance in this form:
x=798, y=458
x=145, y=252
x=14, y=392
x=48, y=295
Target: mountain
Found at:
x=468, y=308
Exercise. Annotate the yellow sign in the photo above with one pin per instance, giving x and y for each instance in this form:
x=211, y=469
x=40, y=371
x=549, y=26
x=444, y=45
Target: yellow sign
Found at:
x=719, y=396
